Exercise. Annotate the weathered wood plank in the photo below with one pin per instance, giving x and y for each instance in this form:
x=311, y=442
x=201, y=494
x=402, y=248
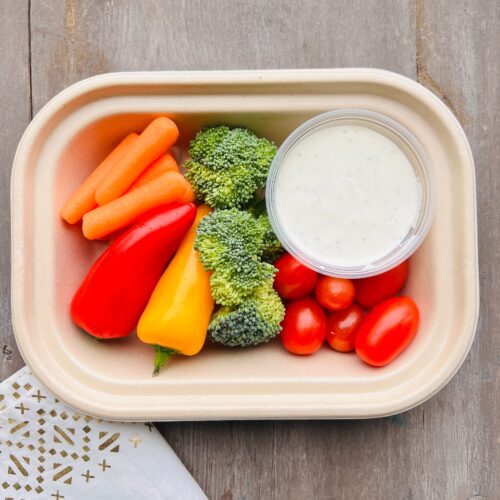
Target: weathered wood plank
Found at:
x=76, y=39
x=15, y=106
x=458, y=58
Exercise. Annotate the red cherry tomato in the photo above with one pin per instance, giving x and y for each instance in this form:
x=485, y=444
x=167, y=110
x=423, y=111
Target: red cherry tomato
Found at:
x=293, y=279
x=341, y=345
x=343, y=327
x=371, y=291
x=304, y=326
x=387, y=331
x=334, y=293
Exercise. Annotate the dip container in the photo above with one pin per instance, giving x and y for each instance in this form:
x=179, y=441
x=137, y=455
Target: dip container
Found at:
x=416, y=156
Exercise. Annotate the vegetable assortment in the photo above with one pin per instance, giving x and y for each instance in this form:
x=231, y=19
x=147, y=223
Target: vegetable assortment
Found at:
x=176, y=272
x=236, y=242
x=377, y=337
x=176, y=318
x=115, y=292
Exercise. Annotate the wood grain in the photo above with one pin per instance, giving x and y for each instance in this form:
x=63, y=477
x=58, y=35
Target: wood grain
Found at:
x=15, y=106
x=76, y=39
x=447, y=448
x=458, y=56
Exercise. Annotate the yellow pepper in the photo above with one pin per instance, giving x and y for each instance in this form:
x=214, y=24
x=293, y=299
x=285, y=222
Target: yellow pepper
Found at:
x=176, y=318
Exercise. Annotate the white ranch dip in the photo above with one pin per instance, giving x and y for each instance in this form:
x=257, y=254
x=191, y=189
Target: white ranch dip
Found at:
x=346, y=195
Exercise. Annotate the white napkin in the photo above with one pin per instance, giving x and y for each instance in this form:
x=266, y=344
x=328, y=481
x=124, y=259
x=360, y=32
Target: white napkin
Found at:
x=50, y=451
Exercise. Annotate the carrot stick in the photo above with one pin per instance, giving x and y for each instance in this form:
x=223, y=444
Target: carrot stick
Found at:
x=188, y=196
x=122, y=211
x=83, y=199
x=165, y=163
x=156, y=138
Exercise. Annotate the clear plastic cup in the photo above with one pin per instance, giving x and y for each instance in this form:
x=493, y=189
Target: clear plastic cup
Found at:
x=417, y=158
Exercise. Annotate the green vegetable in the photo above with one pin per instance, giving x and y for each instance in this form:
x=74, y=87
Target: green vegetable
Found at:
x=228, y=165
x=271, y=246
x=257, y=320
x=230, y=243
x=226, y=168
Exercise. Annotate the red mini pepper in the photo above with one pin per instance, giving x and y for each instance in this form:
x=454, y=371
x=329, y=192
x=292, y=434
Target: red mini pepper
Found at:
x=117, y=288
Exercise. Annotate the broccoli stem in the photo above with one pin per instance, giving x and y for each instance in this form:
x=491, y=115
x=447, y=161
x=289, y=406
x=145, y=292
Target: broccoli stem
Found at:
x=162, y=355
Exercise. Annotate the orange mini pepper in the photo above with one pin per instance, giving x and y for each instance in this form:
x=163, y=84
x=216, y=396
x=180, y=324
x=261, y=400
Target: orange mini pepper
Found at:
x=176, y=318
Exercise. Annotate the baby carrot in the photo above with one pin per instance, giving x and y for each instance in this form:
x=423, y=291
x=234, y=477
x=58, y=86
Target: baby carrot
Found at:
x=165, y=163
x=83, y=199
x=104, y=220
x=156, y=138
x=188, y=196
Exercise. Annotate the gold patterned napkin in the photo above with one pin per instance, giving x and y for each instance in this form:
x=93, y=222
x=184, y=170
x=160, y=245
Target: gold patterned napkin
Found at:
x=50, y=451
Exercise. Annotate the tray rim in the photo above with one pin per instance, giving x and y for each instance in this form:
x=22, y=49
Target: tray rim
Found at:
x=218, y=78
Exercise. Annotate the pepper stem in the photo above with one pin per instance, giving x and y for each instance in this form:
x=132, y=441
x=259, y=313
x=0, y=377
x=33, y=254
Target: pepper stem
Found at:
x=162, y=355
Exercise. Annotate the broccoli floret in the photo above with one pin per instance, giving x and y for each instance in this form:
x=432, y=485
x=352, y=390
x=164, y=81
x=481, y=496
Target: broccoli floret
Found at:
x=257, y=320
x=271, y=246
x=231, y=288
x=227, y=165
x=225, y=231
x=230, y=243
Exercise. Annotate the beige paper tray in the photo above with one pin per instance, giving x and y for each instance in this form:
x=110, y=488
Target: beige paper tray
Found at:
x=74, y=131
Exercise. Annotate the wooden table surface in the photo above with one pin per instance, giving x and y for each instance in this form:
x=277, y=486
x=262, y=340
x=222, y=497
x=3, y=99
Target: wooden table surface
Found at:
x=447, y=448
